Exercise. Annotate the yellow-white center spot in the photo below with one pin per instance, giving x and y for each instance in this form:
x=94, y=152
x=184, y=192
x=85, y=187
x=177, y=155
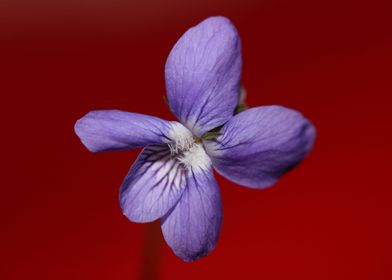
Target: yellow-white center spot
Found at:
x=188, y=149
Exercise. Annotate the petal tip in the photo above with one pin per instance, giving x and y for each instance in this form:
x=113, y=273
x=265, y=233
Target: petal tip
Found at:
x=218, y=19
x=221, y=23
x=310, y=134
x=80, y=129
x=194, y=257
x=188, y=255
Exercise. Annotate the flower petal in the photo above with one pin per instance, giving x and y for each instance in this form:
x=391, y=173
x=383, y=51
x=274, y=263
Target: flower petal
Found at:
x=107, y=130
x=153, y=185
x=192, y=228
x=260, y=144
x=203, y=73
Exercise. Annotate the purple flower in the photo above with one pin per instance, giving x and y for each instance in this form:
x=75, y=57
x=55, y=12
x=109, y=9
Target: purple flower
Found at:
x=172, y=179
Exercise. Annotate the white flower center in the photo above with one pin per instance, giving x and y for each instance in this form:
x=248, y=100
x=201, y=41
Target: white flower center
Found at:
x=188, y=149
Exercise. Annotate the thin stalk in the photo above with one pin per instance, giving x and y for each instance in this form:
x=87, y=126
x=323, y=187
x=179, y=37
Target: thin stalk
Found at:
x=151, y=252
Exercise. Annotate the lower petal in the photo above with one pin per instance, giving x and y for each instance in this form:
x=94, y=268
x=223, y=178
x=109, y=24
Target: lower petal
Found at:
x=192, y=227
x=153, y=186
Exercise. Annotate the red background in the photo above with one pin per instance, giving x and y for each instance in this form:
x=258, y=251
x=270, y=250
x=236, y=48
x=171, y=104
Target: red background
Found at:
x=328, y=219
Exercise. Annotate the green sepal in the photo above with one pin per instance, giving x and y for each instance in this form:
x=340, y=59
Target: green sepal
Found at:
x=211, y=135
x=166, y=102
x=240, y=108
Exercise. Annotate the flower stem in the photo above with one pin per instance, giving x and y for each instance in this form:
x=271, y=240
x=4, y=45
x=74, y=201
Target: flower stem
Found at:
x=151, y=252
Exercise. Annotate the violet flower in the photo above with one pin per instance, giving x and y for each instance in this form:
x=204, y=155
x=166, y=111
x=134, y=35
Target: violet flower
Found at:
x=172, y=179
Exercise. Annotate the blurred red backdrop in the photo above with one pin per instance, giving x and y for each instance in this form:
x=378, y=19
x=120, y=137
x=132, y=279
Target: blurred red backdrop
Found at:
x=329, y=219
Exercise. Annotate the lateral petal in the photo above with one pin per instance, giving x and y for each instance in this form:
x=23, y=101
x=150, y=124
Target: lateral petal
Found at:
x=259, y=145
x=106, y=130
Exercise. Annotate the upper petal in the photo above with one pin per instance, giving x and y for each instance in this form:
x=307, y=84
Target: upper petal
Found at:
x=192, y=228
x=260, y=144
x=105, y=130
x=203, y=73
x=153, y=185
